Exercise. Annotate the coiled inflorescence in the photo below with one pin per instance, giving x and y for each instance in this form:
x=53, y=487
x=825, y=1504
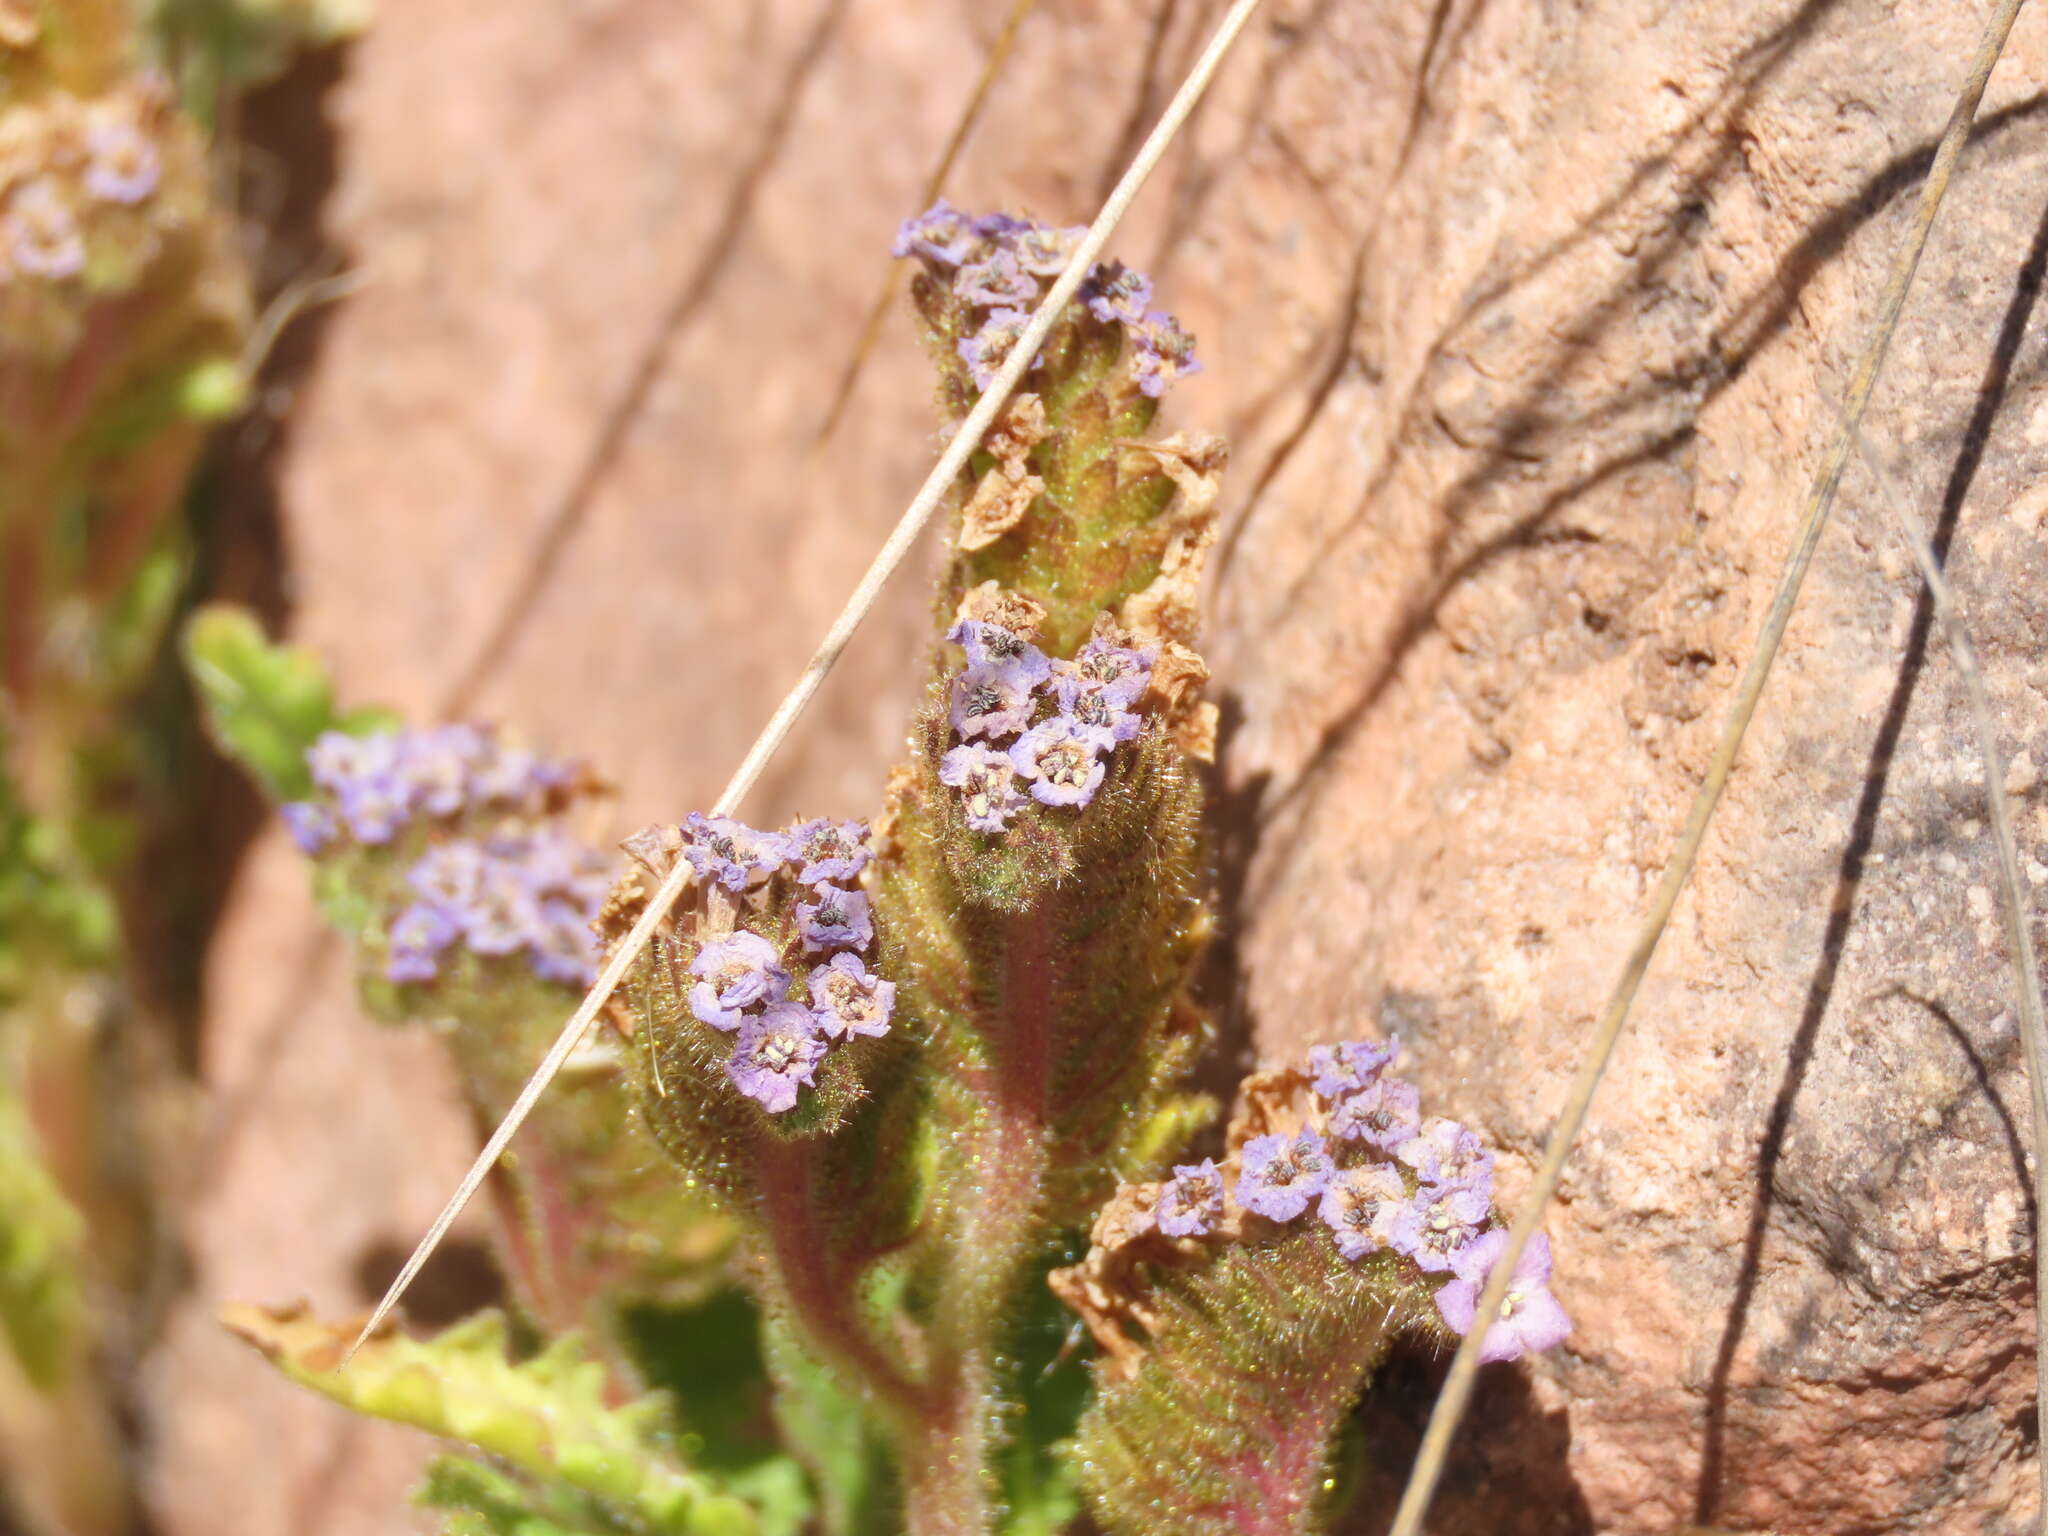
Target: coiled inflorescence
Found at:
x=476, y=829
x=796, y=982
x=1023, y=719
x=1345, y=1149
x=1001, y=266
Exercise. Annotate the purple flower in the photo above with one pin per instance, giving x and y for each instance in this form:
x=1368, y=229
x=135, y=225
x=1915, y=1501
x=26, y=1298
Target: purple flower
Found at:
x=836, y=920
x=1165, y=353
x=942, y=233
x=417, y=935
x=997, y=282
x=777, y=1054
x=987, y=782
x=831, y=851
x=41, y=235
x=1384, y=1115
x=1530, y=1317
x=1445, y=1152
x=122, y=164
x=993, y=647
x=514, y=776
x=1044, y=251
x=553, y=863
x=1191, y=1202
x=1350, y=1066
x=990, y=701
x=437, y=763
x=1094, y=707
x=1439, y=1221
x=311, y=824
x=985, y=351
x=1115, y=293
x=1000, y=226
x=1059, y=758
x=451, y=875
x=375, y=806
x=561, y=945
x=739, y=970
x=1359, y=1207
x=504, y=916
x=1278, y=1178
x=334, y=759
x=1115, y=671
x=731, y=852
x=848, y=999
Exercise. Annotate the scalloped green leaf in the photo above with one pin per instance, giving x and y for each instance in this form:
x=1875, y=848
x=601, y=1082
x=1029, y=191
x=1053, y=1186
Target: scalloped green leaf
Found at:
x=264, y=703
x=41, y=1234
x=544, y=1419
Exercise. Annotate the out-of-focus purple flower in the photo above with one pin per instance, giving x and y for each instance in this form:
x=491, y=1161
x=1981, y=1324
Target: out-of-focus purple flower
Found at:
x=993, y=647
x=334, y=760
x=777, y=1054
x=1359, y=1207
x=311, y=824
x=1060, y=759
x=122, y=165
x=451, y=875
x=1115, y=293
x=418, y=935
x=1445, y=1152
x=1277, y=1178
x=1383, y=1115
x=832, y=852
x=990, y=701
x=554, y=863
x=836, y=920
x=942, y=234
x=996, y=282
x=848, y=999
x=731, y=852
x=437, y=764
x=1439, y=1221
x=504, y=916
x=375, y=806
x=1164, y=353
x=561, y=945
x=1349, y=1066
x=1000, y=226
x=40, y=233
x=1044, y=250
x=1191, y=1202
x=738, y=971
x=985, y=351
x=1116, y=671
x=987, y=782
x=1530, y=1317
x=513, y=776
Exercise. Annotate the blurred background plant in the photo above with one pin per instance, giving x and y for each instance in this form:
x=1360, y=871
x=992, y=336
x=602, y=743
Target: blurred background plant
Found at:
x=126, y=334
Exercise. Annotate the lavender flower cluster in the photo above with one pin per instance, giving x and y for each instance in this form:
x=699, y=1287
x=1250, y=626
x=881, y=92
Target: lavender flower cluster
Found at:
x=1000, y=265
x=1381, y=1179
x=745, y=979
x=94, y=155
x=374, y=787
x=497, y=875
x=1006, y=684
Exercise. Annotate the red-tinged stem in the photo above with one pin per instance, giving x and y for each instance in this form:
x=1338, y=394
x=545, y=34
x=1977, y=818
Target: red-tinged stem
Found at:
x=949, y=1485
x=822, y=1297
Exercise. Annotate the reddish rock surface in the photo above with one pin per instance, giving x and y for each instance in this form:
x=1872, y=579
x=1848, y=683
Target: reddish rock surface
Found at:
x=1527, y=323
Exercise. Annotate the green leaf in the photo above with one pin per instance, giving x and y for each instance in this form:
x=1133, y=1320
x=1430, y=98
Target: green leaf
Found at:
x=265, y=704
x=839, y=1443
x=41, y=1235
x=545, y=1419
